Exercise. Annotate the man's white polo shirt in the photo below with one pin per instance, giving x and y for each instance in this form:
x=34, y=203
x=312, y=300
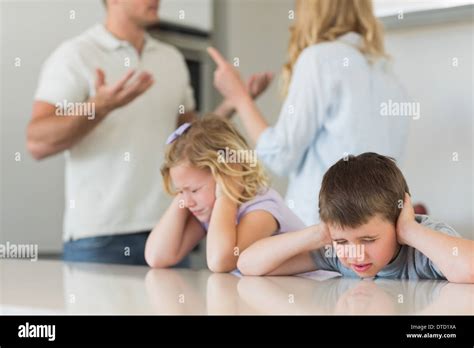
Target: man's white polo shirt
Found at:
x=113, y=180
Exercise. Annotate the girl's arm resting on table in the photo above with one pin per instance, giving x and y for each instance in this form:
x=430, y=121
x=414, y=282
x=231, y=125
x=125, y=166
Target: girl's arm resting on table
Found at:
x=284, y=254
x=175, y=235
x=226, y=240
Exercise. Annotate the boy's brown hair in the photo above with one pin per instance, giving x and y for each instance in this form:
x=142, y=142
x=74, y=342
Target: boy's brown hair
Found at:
x=356, y=188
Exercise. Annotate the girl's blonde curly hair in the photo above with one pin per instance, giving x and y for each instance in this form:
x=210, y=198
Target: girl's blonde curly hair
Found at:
x=203, y=145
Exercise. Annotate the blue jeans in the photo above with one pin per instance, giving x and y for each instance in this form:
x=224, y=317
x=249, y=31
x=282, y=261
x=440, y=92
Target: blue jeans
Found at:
x=127, y=249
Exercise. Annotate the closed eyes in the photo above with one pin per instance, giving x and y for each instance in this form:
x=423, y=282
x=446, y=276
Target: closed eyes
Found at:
x=363, y=240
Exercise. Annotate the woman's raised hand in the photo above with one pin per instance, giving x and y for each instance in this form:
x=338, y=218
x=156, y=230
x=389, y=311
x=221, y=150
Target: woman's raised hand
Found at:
x=227, y=79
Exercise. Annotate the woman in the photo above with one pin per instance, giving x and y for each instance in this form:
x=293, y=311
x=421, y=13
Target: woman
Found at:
x=335, y=83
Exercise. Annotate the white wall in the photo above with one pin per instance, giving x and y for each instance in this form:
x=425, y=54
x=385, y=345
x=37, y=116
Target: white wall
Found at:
x=32, y=192
x=423, y=59
x=193, y=13
x=392, y=7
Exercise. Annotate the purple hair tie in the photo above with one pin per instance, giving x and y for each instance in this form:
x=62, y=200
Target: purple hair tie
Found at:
x=178, y=132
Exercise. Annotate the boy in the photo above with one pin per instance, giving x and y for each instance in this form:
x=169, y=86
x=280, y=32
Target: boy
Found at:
x=367, y=216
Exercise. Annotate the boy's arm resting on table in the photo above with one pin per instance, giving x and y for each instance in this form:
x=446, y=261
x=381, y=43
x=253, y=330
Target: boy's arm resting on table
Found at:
x=453, y=256
x=226, y=240
x=284, y=254
x=175, y=235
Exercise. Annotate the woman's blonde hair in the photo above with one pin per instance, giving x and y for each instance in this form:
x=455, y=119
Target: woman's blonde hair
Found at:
x=204, y=146
x=325, y=20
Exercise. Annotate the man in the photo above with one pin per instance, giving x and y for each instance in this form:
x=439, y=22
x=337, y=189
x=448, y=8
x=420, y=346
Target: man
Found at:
x=109, y=98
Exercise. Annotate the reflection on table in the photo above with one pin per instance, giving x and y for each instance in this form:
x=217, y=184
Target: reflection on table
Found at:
x=55, y=287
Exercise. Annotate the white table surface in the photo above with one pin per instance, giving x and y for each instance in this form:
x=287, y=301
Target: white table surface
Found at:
x=57, y=287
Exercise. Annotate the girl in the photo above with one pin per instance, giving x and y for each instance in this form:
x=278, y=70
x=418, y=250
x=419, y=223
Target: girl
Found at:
x=220, y=191
x=337, y=84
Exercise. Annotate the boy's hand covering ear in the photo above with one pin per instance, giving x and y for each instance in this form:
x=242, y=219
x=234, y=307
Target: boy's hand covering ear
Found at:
x=321, y=231
x=406, y=219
